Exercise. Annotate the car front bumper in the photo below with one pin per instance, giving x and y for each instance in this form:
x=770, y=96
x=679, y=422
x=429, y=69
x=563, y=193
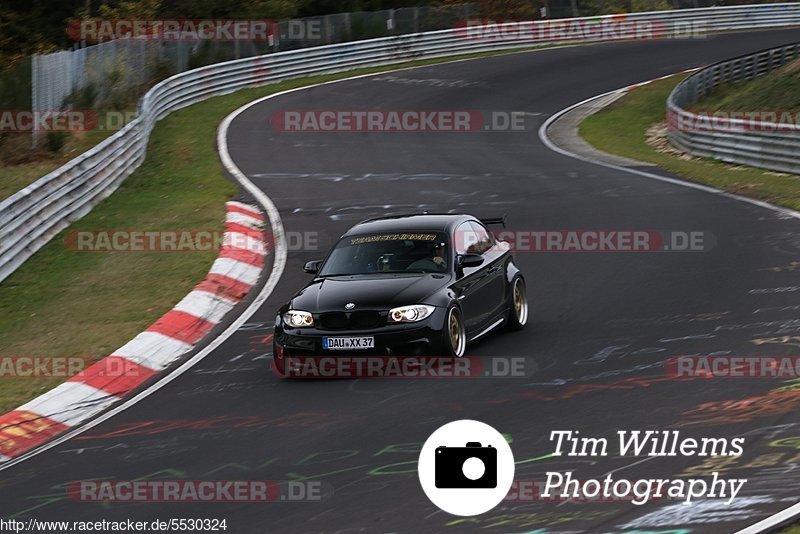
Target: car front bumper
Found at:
x=403, y=339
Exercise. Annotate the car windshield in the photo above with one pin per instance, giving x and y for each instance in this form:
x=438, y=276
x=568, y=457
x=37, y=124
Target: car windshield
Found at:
x=401, y=252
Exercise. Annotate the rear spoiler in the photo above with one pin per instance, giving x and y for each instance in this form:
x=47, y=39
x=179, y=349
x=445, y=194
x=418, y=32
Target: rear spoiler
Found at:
x=490, y=221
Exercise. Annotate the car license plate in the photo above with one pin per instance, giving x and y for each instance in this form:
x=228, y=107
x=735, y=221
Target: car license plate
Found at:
x=348, y=343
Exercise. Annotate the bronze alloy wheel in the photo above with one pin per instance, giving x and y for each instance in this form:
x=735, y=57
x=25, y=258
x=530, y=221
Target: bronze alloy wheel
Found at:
x=455, y=331
x=520, y=302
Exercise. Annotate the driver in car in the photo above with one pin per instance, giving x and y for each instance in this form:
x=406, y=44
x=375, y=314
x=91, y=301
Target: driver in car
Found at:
x=438, y=262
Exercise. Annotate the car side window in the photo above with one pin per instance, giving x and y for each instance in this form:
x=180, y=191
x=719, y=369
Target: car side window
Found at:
x=463, y=238
x=482, y=240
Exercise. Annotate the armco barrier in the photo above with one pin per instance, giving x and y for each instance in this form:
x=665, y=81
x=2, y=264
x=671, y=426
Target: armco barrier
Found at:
x=734, y=140
x=34, y=215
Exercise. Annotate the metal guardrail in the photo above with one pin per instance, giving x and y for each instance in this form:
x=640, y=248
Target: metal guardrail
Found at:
x=770, y=145
x=34, y=215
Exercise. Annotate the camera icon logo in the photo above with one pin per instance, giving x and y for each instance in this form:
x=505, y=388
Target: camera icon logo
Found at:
x=472, y=466
x=466, y=467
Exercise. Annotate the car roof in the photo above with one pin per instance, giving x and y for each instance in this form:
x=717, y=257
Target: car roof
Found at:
x=430, y=222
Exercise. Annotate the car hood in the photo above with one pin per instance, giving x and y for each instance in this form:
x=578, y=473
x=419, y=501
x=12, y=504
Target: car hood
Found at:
x=373, y=291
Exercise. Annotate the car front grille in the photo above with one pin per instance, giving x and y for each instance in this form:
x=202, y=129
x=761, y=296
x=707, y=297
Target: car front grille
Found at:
x=351, y=320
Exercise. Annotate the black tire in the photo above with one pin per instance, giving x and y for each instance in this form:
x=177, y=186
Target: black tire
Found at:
x=517, y=305
x=454, y=341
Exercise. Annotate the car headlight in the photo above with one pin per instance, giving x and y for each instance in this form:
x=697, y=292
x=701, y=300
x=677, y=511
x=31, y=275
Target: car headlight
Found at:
x=298, y=319
x=409, y=314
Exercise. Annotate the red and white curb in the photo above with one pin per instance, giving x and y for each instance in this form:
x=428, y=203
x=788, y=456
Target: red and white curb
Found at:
x=235, y=271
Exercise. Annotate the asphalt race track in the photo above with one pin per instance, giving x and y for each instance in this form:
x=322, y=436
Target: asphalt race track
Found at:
x=601, y=325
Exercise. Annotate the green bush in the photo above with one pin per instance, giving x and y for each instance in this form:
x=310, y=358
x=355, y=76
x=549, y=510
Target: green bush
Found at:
x=84, y=98
x=55, y=140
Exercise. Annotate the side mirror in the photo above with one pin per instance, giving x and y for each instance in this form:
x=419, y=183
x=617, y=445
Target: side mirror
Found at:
x=469, y=260
x=312, y=267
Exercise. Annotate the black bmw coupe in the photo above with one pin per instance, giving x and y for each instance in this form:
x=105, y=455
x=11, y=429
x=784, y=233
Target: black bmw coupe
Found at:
x=406, y=285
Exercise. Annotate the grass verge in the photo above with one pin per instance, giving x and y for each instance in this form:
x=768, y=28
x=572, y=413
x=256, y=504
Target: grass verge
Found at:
x=623, y=127
x=779, y=90
x=65, y=303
